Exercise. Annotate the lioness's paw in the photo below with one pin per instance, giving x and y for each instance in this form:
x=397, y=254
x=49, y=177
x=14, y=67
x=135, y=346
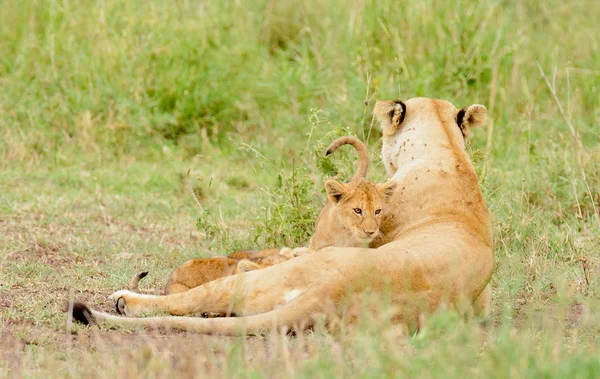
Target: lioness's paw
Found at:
x=122, y=293
x=127, y=302
x=118, y=298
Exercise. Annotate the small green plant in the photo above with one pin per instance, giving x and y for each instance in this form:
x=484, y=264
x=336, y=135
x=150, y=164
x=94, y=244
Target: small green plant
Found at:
x=288, y=217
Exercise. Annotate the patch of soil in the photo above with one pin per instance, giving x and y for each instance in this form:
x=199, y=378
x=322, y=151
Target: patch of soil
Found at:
x=576, y=311
x=48, y=252
x=5, y=301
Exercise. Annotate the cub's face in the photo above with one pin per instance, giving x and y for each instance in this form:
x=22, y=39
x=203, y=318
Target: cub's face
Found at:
x=360, y=206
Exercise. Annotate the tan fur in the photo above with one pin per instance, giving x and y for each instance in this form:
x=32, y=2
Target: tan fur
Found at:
x=436, y=251
x=198, y=271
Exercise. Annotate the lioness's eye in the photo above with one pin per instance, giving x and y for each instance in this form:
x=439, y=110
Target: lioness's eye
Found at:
x=378, y=211
x=357, y=211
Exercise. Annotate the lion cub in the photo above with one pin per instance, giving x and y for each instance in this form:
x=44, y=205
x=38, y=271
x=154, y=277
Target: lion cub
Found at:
x=354, y=210
x=198, y=271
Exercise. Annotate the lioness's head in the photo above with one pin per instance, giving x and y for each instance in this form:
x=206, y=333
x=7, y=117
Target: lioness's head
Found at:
x=360, y=205
x=395, y=114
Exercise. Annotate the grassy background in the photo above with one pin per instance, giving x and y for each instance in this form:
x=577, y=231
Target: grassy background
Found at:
x=105, y=105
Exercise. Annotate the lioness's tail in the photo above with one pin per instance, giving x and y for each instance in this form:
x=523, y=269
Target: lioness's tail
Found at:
x=363, y=158
x=297, y=314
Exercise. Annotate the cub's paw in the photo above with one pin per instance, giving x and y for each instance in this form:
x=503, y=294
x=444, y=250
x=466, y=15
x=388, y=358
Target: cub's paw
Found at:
x=286, y=252
x=299, y=251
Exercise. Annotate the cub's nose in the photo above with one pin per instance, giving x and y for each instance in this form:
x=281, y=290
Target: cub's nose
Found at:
x=370, y=233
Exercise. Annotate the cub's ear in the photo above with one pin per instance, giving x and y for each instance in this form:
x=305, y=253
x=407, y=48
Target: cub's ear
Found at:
x=335, y=190
x=245, y=265
x=388, y=188
x=390, y=113
x=471, y=117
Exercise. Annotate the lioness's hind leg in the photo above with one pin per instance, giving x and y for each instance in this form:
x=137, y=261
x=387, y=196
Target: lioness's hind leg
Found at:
x=251, y=292
x=172, y=288
x=215, y=297
x=483, y=304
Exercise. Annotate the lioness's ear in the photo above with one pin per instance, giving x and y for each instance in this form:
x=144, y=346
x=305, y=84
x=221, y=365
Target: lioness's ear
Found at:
x=388, y=188
x=390, y=114
x=335, y=190
x=245, y=265
x=471, y=117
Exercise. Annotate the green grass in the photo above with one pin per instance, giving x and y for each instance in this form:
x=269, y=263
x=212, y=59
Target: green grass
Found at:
x=105, y=105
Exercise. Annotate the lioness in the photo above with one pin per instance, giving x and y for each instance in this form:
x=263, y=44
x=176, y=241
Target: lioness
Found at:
x=354, y=210
x=437, y=250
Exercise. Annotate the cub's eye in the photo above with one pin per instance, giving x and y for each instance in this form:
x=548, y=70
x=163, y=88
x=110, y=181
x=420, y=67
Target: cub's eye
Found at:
x=377, y=211
x=358, y=211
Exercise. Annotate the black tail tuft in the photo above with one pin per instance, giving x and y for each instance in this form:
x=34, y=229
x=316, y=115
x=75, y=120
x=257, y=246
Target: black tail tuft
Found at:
x=82, y=313
x=142, y=274
x=328, y=152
